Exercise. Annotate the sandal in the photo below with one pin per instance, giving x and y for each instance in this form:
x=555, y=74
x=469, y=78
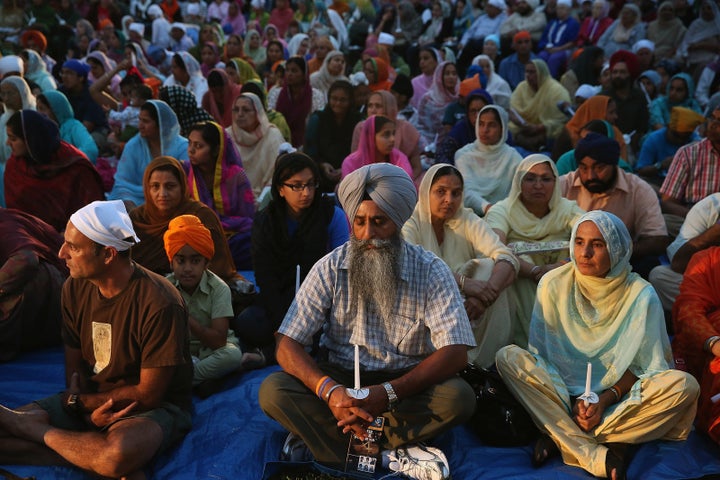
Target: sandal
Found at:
x=543, y=450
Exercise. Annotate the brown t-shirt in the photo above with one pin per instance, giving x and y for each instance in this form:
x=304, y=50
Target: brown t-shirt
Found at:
x=145, y=326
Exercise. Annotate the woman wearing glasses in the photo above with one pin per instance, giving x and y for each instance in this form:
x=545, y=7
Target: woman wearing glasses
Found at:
x=536, y=222
x=256, y=139
x=216, y=178
x=298, y=227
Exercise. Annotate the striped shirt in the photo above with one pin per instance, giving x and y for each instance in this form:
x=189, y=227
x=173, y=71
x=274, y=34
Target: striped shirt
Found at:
x=694, y=173
x=428, y=315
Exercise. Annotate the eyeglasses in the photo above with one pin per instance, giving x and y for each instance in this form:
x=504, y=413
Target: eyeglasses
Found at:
x=299, y=187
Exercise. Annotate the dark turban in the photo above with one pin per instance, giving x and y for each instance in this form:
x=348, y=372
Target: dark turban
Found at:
x=598, y=147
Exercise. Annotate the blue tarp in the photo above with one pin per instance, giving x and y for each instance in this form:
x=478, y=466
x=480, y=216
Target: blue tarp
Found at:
x=233, y=439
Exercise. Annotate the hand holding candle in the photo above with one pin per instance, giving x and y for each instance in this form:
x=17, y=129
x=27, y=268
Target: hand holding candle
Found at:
x=589, y=396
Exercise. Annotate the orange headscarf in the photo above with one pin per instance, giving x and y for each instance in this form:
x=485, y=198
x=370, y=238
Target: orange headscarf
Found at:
x=188, y=230
x=382, y=75
x=594, y=108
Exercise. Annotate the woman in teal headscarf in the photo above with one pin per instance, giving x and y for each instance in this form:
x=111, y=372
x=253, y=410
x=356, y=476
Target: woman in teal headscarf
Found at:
x=680, y=93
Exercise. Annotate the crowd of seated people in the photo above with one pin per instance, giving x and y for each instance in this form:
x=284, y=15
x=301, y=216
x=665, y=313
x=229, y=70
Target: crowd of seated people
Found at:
x=511, y=119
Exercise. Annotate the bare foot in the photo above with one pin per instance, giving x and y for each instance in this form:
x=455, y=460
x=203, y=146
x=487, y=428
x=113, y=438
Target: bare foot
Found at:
x=29, y=424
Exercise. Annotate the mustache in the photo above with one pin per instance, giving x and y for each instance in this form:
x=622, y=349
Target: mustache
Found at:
x=373, y=243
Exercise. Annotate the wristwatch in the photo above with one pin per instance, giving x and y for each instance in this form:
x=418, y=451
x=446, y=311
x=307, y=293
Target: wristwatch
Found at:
x=392, y=396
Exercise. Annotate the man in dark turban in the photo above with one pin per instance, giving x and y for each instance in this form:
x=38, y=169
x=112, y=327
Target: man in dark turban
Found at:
x=389, y=306
x=599, y=184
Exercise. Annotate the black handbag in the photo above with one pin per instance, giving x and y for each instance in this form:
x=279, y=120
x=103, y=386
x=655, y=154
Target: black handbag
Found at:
x=499, y=419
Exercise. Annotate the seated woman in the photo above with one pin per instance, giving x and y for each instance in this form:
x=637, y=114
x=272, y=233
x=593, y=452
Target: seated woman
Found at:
x=216, y=178
x=240, y=71
x=623, y=32
x=496, y=86
x=407, y=138
x=535, y=118
x=31, y=279
x=427, y=63
x=432, y=105
x=597, y=107
x=695, y=316
x=297, y=99
x=463, y=132
x=377, y=144
x=298, y=227
x=256, y=139
x=55, y=105
x=219, y=97
x=484, y=267
x=330, y=131
x=36, y=71
x=535, y=221
x=680, y=93
x=488, y=164
x=595, y=310
x=332, y=70
x=165, y=188
x=158, y=135
x=16, y=96
x=45, y=176
x=186, y=73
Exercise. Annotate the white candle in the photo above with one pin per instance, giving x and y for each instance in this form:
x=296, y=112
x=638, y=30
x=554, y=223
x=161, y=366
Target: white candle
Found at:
x=588, y=379
x=297, y=278
x=357, y=367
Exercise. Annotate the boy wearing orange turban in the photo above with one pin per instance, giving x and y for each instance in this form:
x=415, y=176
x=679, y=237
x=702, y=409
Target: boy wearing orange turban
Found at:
x=215, y=349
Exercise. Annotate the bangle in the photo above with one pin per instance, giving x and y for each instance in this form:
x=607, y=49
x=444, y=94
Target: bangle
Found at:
x=710, y=343
x=332, y=389
x=320, y=383
x=534, y=270
x=462, y=284
x=616, y=391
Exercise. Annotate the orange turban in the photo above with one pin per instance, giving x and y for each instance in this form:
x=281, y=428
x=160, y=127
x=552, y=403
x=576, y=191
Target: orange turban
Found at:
x=684, y=120
x=469, y=84
x=188, y=230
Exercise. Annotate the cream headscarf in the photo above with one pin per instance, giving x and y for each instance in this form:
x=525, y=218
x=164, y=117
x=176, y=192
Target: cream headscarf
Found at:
x=524, y=225
x=106, y=223
x=487, y=169
x=615, y=322
x=466, y=236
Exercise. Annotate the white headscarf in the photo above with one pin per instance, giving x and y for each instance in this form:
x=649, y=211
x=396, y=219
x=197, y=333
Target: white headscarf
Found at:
x=107, y=223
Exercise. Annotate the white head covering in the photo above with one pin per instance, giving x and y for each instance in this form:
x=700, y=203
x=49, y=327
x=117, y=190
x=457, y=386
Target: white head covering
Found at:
x=533, y=3
x=498, y=4
x=154, y=11
x=358, y=78
x=586, y=91
x=107, y=223
x=386, y=39
x=137, y=27
x=567, y=3
x=640, y=44
x=11, y=64
x=387, y=185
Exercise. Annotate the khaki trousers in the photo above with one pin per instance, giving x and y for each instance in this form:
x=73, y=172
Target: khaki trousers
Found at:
x=666, y=283
x=667, y=410
x=421, y=417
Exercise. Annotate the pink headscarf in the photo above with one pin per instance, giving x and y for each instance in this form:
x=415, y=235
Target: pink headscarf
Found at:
x=365, y=154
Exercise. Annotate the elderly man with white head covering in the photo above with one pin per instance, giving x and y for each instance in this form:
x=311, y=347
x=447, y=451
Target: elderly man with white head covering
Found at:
x=400, y=306
x=127, y=358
